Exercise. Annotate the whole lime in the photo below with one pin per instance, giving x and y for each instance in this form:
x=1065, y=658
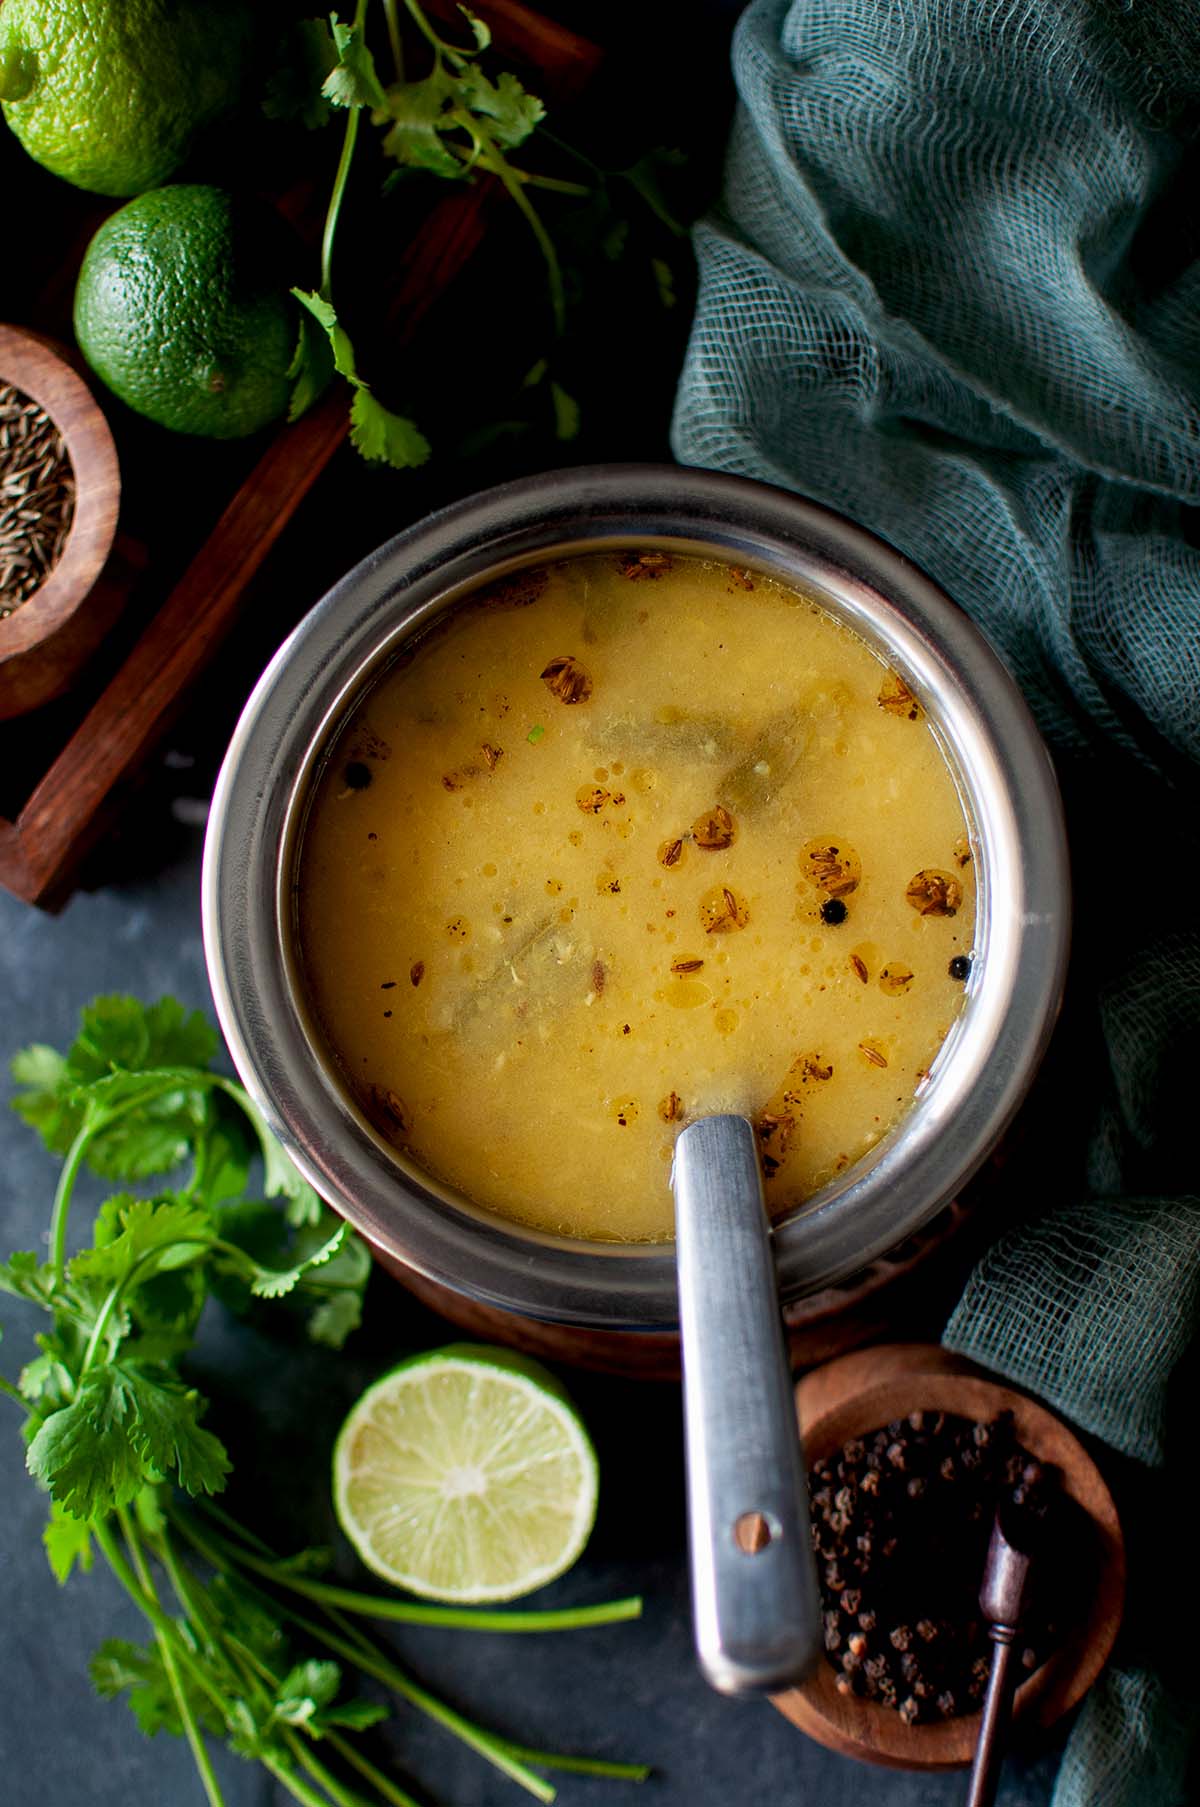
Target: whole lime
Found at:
x=109, y=95
x=181, y=310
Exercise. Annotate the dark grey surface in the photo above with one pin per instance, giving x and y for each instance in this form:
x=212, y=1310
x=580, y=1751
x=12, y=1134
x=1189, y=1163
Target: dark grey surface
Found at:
x=629, y=1691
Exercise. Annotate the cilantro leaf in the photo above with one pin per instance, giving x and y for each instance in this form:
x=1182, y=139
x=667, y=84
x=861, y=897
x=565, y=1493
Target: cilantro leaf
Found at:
x=84, y=1453
x=352, y=82
x=248, y=1618
x=125, y=1426
x=27, y=1276
x=312, y=364
x=306, y=1688
x=36, y=1377
x=152, y=1136
x=146, y=1234
x=44, y=1104
x=354, y=1715
x=331, y=1322
x=120, y=1034
x=169, y=1436
x=511, y=111
x=483, y=34
x=566, y=412
x=47, y=1378
x=166, y=1309
x=275, y=1283
x=67, y=1542
x=120, y=1044
x=221, y=1156
x=281, y=1178
x=385, y=437
x=304, y=57
x=374, y=430
x=149, y=1509
x=325, y=315
x=418, y=111
x=119, y=1667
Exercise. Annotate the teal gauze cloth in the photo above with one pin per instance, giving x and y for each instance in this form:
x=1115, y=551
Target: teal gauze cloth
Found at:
x=952, y=289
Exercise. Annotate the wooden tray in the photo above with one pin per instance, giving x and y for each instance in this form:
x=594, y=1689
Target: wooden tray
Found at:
x=68, y=766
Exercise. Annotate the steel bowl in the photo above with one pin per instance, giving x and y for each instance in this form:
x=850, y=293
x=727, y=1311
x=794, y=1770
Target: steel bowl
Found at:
x=988, y=737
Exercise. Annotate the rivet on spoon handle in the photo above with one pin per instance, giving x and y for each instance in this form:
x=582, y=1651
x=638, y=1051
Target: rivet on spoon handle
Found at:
x=755, y=1605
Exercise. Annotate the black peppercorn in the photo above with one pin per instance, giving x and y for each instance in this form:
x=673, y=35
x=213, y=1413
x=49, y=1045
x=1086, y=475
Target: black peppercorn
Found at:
x=902, y=1534
x=960, y=966
x=357, y=775
x=833, y=911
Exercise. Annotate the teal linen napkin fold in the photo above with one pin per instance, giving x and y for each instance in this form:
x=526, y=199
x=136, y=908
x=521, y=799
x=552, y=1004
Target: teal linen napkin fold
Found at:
x=952, y=289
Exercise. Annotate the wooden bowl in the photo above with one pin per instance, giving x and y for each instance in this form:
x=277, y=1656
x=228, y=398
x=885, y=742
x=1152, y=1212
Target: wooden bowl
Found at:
x=858, y=1394
x=45, y=641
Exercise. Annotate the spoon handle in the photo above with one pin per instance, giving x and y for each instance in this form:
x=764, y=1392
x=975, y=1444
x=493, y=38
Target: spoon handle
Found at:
x=993, y=1729
x=754, y=1593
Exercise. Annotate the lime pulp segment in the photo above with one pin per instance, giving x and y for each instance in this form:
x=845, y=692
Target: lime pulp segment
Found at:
x=466, y=1476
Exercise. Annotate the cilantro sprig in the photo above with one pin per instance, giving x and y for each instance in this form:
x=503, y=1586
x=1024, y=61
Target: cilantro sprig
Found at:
x=115, y=1430
x=454, y=122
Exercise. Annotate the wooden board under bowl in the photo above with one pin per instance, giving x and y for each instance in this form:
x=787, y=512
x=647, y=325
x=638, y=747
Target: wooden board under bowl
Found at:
x=188, y=552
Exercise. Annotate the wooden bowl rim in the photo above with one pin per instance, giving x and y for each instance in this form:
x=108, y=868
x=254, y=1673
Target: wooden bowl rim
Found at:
x=37, y=368
x=855, y=1394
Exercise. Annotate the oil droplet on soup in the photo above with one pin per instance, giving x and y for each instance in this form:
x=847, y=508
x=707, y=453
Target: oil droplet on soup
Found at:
x=710, y=863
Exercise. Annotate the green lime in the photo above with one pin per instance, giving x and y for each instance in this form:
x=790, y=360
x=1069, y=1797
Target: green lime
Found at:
x=181, y=310
x=109, y=96
x=466, y=1475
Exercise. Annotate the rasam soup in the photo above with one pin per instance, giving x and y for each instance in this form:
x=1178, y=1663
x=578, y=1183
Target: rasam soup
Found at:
x=630, y=838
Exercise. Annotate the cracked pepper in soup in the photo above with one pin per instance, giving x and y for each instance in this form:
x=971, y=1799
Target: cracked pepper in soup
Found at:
x=632, y=838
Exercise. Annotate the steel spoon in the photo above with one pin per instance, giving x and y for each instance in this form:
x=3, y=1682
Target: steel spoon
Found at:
x=755, y=1605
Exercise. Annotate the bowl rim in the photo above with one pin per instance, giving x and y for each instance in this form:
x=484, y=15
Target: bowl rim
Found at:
x=1022, y=905
x=40, y=370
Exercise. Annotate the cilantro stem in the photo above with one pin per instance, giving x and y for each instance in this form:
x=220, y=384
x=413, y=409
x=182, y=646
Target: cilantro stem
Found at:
x=296, y=1786
x=500, y=167
x=391, y=1791
x=349, y=139
x=366, y=1656
x=359, y=1650
x=191, y=1077
x=346, y=158
x=480, y=159
x=416, y=14
x=400, y=1612
x=7, y=1388
x=579, y=1766
x=337, y=1792
x=183, y=1706
x=393, y=32
x=62, y=1199
x=255, y=1673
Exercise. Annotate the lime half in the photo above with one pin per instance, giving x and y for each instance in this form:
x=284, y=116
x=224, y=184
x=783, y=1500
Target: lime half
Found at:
x=466, y=1475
